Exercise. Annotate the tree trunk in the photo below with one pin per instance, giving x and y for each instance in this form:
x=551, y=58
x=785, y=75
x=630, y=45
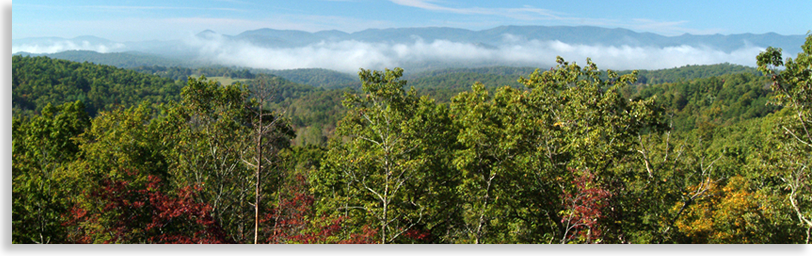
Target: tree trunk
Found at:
x=259, y=170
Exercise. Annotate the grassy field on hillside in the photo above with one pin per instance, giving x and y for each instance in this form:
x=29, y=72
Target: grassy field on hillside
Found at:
x=225, y=80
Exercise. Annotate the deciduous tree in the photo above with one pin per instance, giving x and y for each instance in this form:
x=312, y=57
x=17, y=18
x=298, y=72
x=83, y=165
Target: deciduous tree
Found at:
x=521, y=144
x=126, y=210
x=793, y=90
x=382, y=169
x=42, y=147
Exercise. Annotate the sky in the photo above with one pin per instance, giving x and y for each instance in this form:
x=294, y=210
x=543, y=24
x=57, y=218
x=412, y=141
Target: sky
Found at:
x=143, y=20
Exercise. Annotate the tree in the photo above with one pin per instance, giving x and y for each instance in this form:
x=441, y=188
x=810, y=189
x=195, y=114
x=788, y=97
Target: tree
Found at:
x=586, y=125
x=518, y=146
x=382, y=169
x=123, y=138
x=486, y=157
x=208, y=135
x=793, y=89
x=731, y=213
x=680, y=173
x=293, y=219
x=127, y=210
x=42, y=146
x=271, y=135
x=583, y=208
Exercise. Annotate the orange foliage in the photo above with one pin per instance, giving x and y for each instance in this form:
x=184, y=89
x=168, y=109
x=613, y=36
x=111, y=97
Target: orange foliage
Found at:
x=730, y=214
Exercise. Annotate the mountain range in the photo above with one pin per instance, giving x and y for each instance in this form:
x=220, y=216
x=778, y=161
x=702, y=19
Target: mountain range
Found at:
x=585, y=35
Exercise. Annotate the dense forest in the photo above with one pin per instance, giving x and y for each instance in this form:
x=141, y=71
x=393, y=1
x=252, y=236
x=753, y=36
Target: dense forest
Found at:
x=567, y=154
x=118, y=59
x=39, y=81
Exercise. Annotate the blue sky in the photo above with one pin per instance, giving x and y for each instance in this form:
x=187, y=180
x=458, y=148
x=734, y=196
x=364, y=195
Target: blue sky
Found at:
x=142, y=20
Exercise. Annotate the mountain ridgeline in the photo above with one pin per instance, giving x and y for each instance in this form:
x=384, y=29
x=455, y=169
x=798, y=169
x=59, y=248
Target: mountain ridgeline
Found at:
x=586, y=35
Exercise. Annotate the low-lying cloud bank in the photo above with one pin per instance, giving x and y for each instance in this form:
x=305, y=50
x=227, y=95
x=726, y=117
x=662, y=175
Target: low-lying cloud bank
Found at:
x=348, y=56
x=55, y=46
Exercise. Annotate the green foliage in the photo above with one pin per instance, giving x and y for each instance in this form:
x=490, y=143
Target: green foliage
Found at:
x=119, y=141
x=183, y=73
x=38, y=81
x=518, y=146
x=42, y=147
x=317, y=114
x=210, y=131
x=714, y=101
x=384, y=169
x=445, y=86
x=495, y=70
x=690, y=72
x=321, y=78
x=117, y=59
x=792, y=138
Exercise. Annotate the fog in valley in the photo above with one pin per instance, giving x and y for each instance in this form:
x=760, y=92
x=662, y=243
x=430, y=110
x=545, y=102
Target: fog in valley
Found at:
x=349, y=55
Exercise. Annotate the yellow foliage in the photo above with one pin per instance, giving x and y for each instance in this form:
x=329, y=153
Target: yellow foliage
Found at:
x=729, y=214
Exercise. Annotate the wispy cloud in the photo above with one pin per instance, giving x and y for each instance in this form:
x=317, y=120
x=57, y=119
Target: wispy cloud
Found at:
x=136, y=7
x=667, y=27
x=428, y=5
x=508, y=12
x=530, y=13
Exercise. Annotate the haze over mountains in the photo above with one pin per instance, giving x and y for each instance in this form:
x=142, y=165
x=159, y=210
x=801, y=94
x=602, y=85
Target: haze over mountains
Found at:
x=429, y=48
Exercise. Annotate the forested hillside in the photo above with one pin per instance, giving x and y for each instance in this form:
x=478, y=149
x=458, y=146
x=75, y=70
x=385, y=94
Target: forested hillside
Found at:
x=567, y=154
x=117, y=59
x=718, y=100
x=691, y=72
x=182, y=73
x=323, y=78
x=39, y=81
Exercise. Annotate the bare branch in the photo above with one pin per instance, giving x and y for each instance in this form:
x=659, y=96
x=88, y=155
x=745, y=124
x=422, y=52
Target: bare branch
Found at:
x=796, y=137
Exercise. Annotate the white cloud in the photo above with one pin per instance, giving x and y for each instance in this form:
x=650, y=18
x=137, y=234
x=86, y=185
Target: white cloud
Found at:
x=66, y=45
x=348, y=56
x=530, y=13
x=631, y=57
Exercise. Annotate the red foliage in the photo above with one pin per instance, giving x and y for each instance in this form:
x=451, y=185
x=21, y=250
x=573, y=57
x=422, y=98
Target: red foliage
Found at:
x=146, y=215
x=421, y=236
x=290, y=221
x=585, y=206
x=367, y=236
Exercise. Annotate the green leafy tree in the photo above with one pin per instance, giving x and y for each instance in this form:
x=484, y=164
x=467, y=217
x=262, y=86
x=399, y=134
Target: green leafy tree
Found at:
x=209, y=134
x=385, y=170
x=216, y=140
x=793, y=154
x=118, y=140
x=519, y=145
x=121, y=146
x=42, y=146
x=489, y=136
